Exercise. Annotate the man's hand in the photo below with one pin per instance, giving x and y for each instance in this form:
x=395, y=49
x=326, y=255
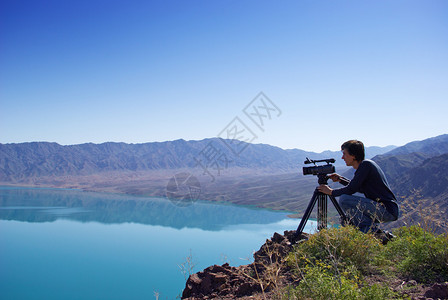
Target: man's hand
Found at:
x=323, y=188
x=335, y=177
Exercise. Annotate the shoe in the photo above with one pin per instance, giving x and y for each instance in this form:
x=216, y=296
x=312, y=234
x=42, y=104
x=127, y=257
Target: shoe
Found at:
x=389, y=235
x=383, y=236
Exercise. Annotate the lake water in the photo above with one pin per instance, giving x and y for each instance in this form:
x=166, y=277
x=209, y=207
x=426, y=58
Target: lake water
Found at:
x=69, y=244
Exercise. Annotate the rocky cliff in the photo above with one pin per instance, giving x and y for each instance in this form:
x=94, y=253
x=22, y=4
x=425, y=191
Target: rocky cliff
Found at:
x=270, y=277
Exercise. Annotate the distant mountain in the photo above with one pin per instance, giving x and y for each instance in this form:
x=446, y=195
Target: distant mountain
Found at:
x=375, y=150
x=395, y=166
x=430, y=178
x=418, y=175
x=424, y=170
x=400, y=160
x=433, y=146
x=19, y=162
x=422, y=191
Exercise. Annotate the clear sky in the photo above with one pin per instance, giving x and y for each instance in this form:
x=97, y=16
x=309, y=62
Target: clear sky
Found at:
x=143, y=71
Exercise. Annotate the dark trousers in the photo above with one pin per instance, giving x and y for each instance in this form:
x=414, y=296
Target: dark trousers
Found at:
x=364, y=213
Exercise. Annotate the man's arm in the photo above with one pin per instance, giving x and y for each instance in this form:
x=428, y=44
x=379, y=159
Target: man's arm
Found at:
x=338, y=178
x=344, y=181
x=354, y=185
x=323, y=188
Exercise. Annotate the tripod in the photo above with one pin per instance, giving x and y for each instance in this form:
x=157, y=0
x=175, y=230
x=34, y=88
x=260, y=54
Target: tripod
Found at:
x=321, y=199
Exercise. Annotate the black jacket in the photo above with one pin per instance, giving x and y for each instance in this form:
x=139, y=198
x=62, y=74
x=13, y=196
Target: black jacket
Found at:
x=370, y=180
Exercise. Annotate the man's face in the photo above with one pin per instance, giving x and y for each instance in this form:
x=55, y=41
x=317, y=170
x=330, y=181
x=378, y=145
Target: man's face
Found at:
x=349, y=159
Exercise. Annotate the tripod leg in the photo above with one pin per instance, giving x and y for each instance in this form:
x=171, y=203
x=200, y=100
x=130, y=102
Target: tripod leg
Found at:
x=322, y=208
x=307, y=214
x=338, y=208
x=320, y=212
x=326, y=210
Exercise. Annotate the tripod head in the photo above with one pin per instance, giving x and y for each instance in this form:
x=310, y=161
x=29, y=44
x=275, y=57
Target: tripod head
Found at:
x=322, y=178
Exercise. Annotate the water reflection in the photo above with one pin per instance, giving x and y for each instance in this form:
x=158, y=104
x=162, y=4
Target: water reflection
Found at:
x=48, y=205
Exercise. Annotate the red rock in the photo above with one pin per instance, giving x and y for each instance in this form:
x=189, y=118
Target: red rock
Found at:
x=438, y=291
x=227, y=282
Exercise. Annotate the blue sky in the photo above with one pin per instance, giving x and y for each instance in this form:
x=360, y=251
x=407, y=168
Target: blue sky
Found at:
x=142, y=71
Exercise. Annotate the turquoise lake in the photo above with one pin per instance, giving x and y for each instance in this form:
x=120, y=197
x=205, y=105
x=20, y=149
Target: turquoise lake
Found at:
x=70, y=244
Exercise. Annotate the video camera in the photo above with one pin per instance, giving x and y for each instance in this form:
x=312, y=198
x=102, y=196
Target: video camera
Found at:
x=319, y=170
x=322, y=172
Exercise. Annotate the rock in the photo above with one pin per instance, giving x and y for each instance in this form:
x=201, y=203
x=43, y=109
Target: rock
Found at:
x=195, y=279
x=219, y=278
x=438, y=291
x=225, y=268
x=293, y=239
x=227, y=282
x=411, y=283
x=246, y=289
x=275, y=249
x=277, y=238
x=214, y=281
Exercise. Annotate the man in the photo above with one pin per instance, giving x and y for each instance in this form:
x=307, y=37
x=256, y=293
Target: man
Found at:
x=379, y=203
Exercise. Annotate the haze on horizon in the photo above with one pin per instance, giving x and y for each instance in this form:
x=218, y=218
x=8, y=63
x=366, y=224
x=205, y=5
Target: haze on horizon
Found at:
x=73, y=72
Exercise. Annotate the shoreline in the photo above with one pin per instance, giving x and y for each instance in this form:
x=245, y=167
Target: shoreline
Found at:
x=287, y=192
x=290, y=214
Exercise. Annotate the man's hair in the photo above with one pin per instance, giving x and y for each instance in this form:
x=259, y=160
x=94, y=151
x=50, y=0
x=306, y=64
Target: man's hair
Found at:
x=355, y=148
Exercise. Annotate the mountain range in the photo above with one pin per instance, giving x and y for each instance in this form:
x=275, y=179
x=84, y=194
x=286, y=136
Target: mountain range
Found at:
x=24, y=161
x=417, y=162
x=418, y=174
x=258, y=174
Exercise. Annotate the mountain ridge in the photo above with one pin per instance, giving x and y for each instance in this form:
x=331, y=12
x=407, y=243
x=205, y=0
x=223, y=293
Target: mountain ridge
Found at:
x=432, y=146
x=403, y=161
x=19, y=161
